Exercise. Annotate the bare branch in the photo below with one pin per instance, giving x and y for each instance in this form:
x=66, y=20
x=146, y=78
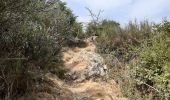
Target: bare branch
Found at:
x=95, y=17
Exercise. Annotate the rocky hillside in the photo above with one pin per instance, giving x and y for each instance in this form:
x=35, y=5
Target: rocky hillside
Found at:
x=86, y=78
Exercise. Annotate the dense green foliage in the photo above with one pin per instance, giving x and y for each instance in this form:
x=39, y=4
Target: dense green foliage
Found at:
x=31, y=35
x=152, y=67
x=138, y=55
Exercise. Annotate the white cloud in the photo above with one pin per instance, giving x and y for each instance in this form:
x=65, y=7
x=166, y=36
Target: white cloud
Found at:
x=121, y=10
x=106, y=4
x=148, y=8
x=101, y=4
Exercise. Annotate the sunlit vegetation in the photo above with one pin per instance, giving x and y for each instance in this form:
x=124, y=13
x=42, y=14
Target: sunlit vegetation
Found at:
x=33, y=32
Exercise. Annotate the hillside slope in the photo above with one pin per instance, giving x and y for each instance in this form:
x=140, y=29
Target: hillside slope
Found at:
x=90, y=75
x=86, y=79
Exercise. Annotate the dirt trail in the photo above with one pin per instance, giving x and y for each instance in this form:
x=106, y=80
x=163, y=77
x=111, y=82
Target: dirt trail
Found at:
x=87, y=79
x=71, y=57
x=90, y=89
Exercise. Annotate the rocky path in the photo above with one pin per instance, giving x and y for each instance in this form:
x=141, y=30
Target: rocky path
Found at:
x=88, y=75
x=86, y=79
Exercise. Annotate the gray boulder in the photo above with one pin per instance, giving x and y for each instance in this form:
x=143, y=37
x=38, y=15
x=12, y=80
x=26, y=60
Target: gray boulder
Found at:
x=95, y=66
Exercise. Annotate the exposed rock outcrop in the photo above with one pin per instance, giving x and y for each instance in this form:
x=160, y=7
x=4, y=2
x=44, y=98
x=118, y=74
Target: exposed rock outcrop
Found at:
x=84, y=63
x=93, y=66
x=86, y=72
x=84, y=66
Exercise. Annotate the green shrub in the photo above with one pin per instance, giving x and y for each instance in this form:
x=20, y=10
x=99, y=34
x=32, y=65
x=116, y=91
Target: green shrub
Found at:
x=78, y=30
x=31, y=36
x=152, y=67
x=105, y=31
x=119, y=41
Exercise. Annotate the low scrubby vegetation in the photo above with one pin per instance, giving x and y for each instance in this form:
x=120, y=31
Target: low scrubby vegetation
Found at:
x=33, y=32
x=138, y=56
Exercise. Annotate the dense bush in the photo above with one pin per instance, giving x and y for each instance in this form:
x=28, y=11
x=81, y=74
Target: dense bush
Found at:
x=119, y=41
x=138, y=56
x=105, y=30
x=78, y=31
x=133, y=46
x=31, y=36
x=152, y=68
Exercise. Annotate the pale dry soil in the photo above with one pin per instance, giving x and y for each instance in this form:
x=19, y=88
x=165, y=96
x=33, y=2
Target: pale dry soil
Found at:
x=100, y=88
x=96, y=90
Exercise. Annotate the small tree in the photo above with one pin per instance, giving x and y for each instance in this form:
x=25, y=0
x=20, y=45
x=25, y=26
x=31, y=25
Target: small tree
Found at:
x=92, y=28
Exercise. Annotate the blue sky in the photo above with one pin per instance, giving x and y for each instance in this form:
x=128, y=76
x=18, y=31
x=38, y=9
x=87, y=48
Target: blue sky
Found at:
x=121, y=10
